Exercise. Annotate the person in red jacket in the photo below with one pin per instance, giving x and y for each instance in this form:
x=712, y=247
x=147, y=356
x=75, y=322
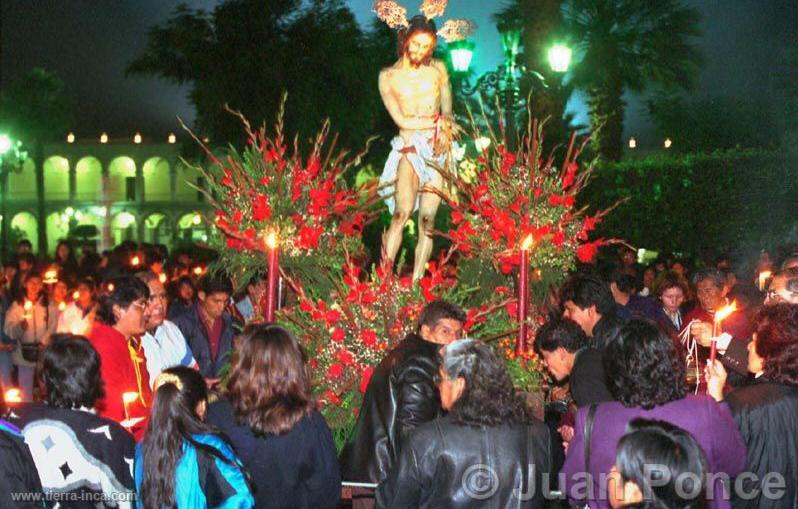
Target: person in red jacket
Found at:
x=123, y=367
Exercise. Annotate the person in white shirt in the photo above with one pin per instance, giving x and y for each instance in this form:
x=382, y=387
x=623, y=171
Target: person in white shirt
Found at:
x=78, y=317
x=164, y=344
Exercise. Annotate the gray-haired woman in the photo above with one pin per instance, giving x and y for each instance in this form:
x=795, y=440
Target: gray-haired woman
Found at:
x=487, y=451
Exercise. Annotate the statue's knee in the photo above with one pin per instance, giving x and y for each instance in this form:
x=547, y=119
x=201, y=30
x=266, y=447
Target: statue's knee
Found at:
x=401, y=216
x=427, y=220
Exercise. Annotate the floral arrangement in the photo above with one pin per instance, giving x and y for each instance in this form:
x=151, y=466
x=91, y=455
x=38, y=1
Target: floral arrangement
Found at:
x=503, y=197
x=266, y=188
x=498, y=200
x=349, y=317
x=366, y=315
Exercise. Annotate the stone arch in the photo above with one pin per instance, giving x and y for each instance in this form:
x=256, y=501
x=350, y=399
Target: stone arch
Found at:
x=25, y=222
x=57, y=225
x=158, y=229
x=157, y=179
x=121, y=179
x=56, y=179
x=190, y=228
x=185, y=176
x=88, y=179
x=123, y=227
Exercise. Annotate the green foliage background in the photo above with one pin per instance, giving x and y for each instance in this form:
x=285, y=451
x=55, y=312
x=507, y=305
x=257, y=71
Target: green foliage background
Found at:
x=700, y=204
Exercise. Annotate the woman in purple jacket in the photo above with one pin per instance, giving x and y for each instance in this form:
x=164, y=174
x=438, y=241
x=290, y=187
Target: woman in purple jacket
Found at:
x=647, y=379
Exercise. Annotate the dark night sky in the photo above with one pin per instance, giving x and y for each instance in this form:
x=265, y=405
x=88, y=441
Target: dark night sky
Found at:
x=88, y=43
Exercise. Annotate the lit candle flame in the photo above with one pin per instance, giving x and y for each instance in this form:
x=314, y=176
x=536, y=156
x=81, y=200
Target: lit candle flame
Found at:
x=135, y=260
x=271, y=240
x=13, y=395
x=110, y=287
x=162, y=278
x=763, y=279
x=75, y=295
x=198, y=271
x=50, y=277
x=61, y=306
x=723, y=313
x=528, y=241
x=28, y=305
x=129, y=397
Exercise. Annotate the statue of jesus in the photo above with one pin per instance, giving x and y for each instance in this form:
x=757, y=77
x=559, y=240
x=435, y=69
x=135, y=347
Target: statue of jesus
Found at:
x=417, y=94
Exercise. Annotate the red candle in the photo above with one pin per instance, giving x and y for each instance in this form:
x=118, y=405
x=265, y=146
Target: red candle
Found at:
x=274, y=272
x=523, y=296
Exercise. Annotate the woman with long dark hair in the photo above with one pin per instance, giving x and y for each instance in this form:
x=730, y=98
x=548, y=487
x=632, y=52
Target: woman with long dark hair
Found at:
x=67, y=262
x=183, y=462
x=487, y=452
x=647, y=379
x=766, y=410
x=658, y=465
x=270, y=416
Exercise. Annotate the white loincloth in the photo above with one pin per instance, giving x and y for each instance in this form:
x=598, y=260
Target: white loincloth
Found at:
x=418, y=160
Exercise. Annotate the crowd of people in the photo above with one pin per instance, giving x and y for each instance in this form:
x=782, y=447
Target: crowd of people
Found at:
x=135, y=379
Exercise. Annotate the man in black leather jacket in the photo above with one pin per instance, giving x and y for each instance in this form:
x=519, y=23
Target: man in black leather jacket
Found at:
x=401, y=395
x=587, y=300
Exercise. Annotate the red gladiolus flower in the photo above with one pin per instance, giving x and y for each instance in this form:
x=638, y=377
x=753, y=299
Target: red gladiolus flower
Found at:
x=335, y=371
x=237, y=216
x=306, y=306
x=338, y=335
x=512, y=309
x=309, y=237
x=368, y=337
x=331, y=397
x=233, y=243
x=570, y=174
x=332, y=317
x=586, y=252
x=354, y=227
x=558, y=239
x=365, y=378
x=320, y=200
x=508, y=161
x=260, y=208
x=314, y=165
x=227, y=180
x=344, y=356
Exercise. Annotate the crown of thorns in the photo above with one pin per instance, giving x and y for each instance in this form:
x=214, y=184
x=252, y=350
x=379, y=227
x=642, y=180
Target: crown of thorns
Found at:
x=395, y=16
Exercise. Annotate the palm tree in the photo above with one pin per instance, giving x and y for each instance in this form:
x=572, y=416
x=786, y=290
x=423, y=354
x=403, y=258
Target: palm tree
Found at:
x=629, y=45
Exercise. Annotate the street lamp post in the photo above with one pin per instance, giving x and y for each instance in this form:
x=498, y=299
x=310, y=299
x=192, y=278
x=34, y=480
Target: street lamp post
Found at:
x=506, y=78
x=11, y=157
